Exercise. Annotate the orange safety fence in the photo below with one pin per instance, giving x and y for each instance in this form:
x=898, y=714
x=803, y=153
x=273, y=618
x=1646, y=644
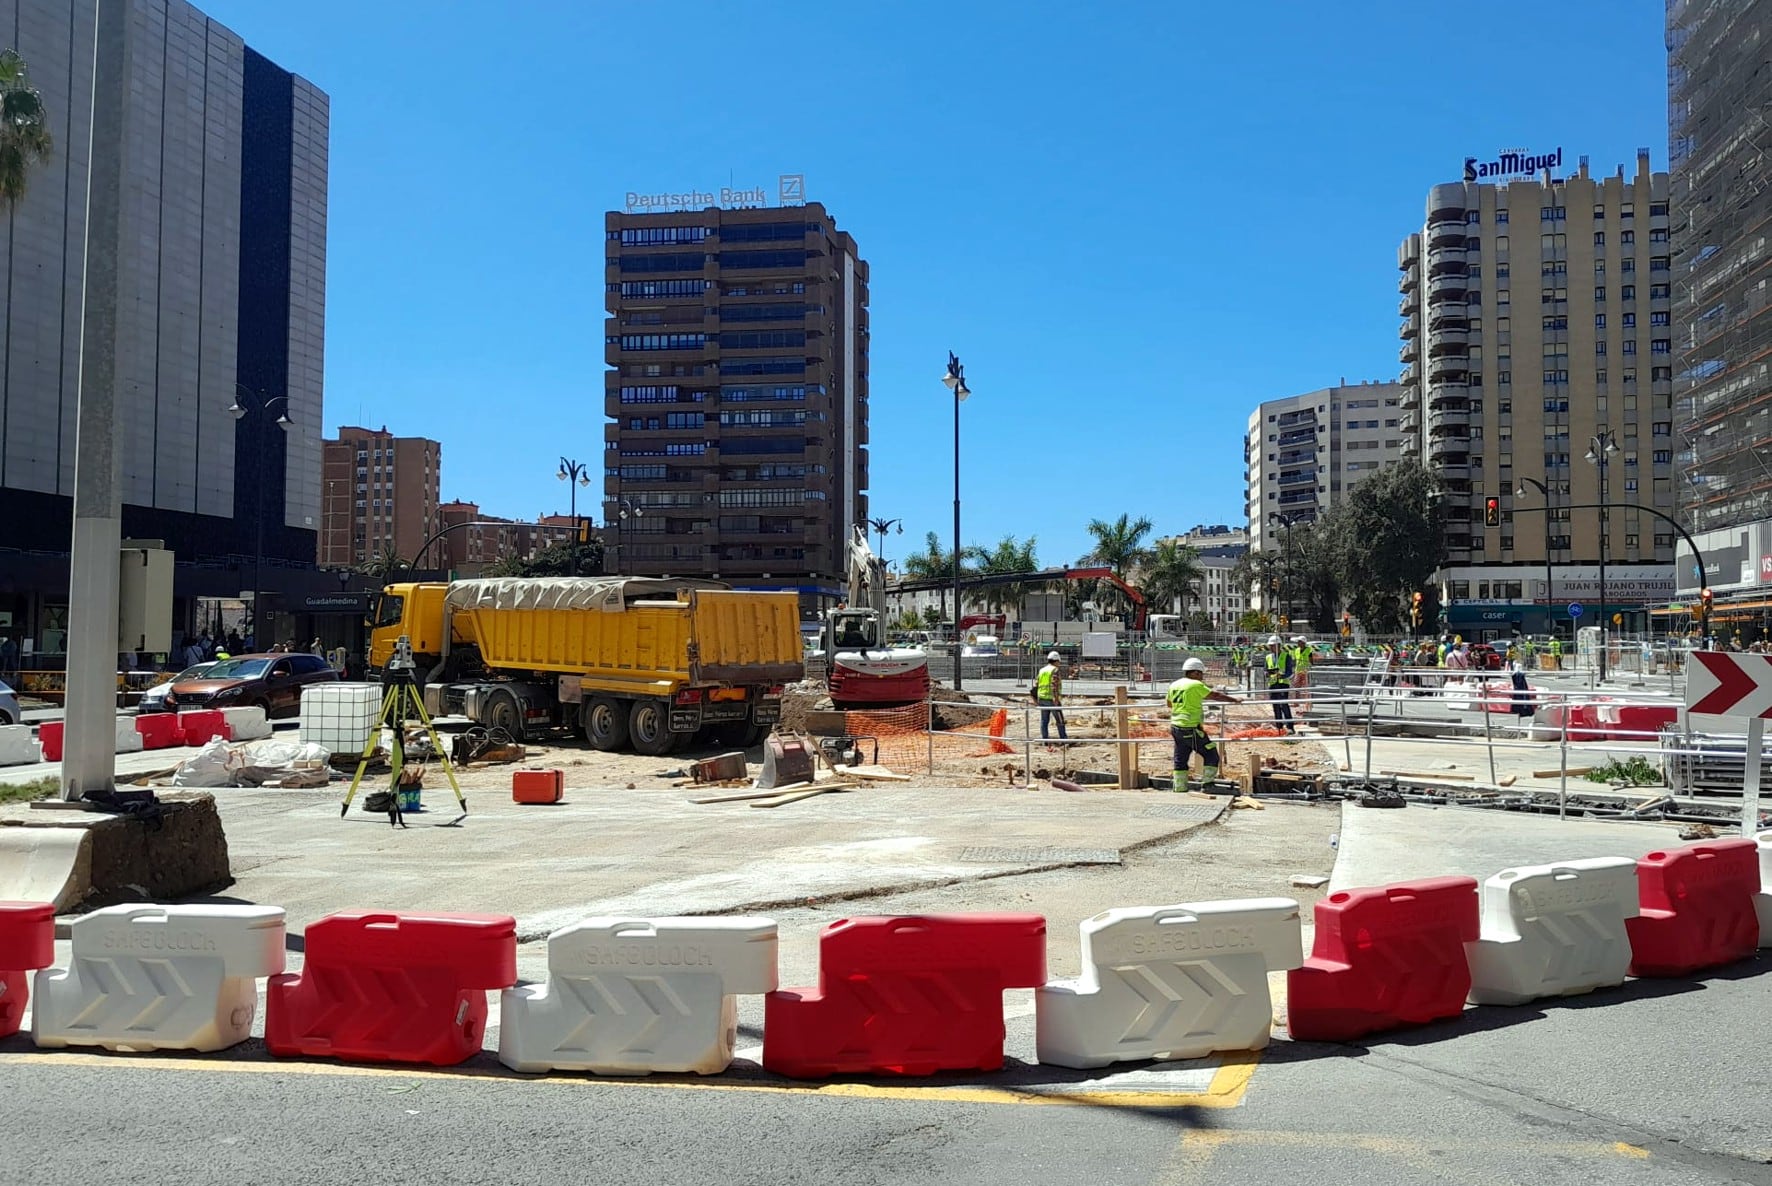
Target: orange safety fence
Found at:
x=905, y=739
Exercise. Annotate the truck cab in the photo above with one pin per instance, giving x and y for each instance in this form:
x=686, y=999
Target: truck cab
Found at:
x=411, y=609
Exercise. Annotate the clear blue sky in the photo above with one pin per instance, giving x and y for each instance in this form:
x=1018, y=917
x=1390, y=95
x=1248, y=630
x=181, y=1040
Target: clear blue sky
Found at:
x=1132, y=221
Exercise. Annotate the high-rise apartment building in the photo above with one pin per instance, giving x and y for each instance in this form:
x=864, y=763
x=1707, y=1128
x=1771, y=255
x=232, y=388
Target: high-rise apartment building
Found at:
x=737, y=396
x=222, y=304
x=477, y=541
x=1303, y=453
x=1719, y=97
x=381, y=493
x=1502, y=395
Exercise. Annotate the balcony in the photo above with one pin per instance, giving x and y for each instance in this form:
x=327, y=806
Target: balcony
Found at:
x=1409, y=251
x=1451, y=369
x=1411, y=397
x=1410, y=352
x=1410, y=421
x=1446, y=231
x=1411, y=303
x=1442, y=259
x=1449, y=419
x=1447, y=340
x=1410, y=278
x=1441, y=392
x=1449, y=287
x=1411, y=326
x=1297, y=438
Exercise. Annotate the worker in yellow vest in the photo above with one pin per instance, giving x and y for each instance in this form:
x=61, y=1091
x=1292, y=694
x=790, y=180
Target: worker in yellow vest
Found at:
x=1049, y=695
x=1277, y=666
x=1187, y=722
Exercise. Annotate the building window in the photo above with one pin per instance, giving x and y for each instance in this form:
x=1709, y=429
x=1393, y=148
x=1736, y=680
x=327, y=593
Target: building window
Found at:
x=1627, y=238
x=1630, y=345
x=1662, y=456
x=1599, y=238
x=1660, y=346
x=1599, y=294
x=1629, y=293
x=1628, y=266
x=1599, y=321
x=1599, y=348
x=1630, y=321
x=1659, y=292
x=1501, y=216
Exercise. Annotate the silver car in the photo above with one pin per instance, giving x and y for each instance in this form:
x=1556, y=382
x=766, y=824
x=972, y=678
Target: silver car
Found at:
x=154, y=699
x=9, y=710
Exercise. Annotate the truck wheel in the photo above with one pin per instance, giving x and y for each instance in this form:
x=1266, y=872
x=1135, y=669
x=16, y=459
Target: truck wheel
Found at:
x=649, y=728
x=606, y=723
x=505, y=713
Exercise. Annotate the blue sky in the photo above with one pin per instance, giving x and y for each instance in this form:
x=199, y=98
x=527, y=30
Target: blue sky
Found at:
x=1133, y=221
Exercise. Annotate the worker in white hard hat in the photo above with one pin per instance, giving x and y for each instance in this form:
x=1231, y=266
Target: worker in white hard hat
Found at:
x=1278, y=666
x=1187, y=722
x=1049, y=695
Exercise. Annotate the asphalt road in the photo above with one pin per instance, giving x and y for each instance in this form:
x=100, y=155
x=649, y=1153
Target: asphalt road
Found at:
x=1649, y=1083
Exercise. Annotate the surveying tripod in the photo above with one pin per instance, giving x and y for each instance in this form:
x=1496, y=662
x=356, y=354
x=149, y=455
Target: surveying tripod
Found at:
x=402, y=695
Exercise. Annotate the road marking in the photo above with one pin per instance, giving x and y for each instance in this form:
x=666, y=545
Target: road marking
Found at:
x=1198, y=1147
x=1174, y=1085
x=1624, y=1149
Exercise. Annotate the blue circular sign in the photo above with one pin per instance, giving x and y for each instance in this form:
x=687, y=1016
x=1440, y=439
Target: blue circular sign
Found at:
x=1575, y=609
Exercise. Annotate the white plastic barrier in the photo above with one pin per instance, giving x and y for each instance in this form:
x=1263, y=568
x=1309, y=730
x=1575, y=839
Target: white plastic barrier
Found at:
x=18, y=747
x=128, y=740
x=246, y=724
x=634, y=996
x=159, y=978
x=340, y=717
x=1553, y=930
x=1169, y=982
x=1763, y=900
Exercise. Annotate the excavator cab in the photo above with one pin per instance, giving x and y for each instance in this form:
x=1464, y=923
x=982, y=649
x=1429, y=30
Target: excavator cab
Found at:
x=853, y=630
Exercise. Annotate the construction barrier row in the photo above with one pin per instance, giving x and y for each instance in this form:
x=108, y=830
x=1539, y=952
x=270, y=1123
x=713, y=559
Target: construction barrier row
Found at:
x=909, y=995
x=161, y=730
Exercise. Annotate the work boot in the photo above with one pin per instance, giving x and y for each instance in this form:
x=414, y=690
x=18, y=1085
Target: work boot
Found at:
x=1178, y=781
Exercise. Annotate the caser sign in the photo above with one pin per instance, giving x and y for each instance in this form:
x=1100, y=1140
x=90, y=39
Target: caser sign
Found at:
x=1511, y=163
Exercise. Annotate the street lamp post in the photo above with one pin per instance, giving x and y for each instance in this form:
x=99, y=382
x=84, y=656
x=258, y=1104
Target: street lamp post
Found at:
x=1550, y=610
x=880, y=527
x=626, y=507
x=574, y=474
x=260, y=405
x=1286, y=521
x=955, y=380
x=1600, y=448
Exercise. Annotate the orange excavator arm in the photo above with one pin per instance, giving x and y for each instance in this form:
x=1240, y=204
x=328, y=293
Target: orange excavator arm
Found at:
x=1108, y=575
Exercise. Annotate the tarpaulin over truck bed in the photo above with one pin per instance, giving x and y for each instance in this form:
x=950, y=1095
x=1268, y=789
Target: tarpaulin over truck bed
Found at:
x=604, y=594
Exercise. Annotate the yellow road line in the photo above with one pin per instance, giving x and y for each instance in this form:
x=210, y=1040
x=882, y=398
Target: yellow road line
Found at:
x=1229, y=1081
x=1197, y=1148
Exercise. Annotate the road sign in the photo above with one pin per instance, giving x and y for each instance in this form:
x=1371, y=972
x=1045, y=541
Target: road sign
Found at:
x=1720, y=684
x=1575, y=609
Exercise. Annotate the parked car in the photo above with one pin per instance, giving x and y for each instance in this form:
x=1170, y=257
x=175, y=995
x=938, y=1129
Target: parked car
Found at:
x=271, y=682
x=154, y=699
x=9, y=710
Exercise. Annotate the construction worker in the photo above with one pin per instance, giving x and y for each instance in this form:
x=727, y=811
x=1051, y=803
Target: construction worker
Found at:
x=1049, y=695
x=1556, y=650
x=1187, y=722
x=1277, y=664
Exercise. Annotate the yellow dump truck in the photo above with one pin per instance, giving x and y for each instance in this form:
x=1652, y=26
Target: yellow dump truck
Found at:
x=640, y=661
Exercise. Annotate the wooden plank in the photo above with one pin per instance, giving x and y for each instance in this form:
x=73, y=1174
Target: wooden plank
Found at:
x=796, y=796
x=1433, y=776
x=872, y=774
x=1124, y=752
x=740, y=796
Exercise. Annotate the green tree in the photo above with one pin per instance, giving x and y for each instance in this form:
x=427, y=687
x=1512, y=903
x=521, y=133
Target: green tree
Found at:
x=1168, y=577
x=385, y=565
x=1386, y=543
x=1314, y=587
x=933, y=617
x=1008, y=557
x=557, y=560
x=1119, y=546
x=24, y=136
x=931, y=564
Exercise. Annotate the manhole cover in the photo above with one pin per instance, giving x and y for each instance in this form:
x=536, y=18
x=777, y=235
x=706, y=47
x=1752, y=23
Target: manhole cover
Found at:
x=987, y=855
x=1204, y=812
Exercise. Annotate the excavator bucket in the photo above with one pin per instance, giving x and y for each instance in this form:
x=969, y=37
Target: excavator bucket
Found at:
x=786, y=761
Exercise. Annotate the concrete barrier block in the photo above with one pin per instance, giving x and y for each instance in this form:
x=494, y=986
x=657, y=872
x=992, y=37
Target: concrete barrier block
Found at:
x=639, y=996
x=18, y=747
x=160, y=978
x=128, y=740
x=246, y=724
x=1169, y=982
x=46, y=865
x=1553, y=930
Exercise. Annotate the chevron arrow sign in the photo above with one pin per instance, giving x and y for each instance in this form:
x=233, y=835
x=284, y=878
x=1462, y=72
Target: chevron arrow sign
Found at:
x=1721, y=684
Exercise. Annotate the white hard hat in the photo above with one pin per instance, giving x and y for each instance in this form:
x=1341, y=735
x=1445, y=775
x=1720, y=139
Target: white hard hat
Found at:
x=1273, y=640
x=1054, y=656
x=1299, y=638
x=1194, y=665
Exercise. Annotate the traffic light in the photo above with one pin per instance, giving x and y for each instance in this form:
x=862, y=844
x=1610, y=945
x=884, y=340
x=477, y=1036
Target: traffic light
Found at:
x=1704, y=599
x=1415, y=608
x=1273, y=584
x=1492, y=512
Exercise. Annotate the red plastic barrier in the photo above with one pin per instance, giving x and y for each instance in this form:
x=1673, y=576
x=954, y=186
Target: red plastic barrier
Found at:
x=1383, y=958
x=1641, y=722
x=1697, y=908
x=159, y=730
x=27, y=942
x=1585, y=723
x=905, y=996
x=392, y=987
x=49, y=736
x=201, y=724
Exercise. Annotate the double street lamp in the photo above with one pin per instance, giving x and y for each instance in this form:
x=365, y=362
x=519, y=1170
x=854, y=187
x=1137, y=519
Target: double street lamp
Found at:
x=1287, y=521
x=625, y=507
x=955, y=381
x=574, y=474
x=881, y=526
x=258, y=405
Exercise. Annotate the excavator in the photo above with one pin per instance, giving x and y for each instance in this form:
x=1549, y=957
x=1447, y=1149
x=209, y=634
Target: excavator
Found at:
x=862, y=669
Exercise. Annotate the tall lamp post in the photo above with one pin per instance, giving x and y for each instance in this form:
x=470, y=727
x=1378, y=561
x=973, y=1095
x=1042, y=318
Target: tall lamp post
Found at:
x=627, y=507
x=880, y=527
x=260, y=405
x=1286, y=521
x=1600, y=448
x=574, y=474
x=955, y=380
x=1550, y=608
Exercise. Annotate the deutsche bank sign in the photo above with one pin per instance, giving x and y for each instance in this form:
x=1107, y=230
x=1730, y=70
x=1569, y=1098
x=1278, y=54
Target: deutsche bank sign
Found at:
x=1511, y=163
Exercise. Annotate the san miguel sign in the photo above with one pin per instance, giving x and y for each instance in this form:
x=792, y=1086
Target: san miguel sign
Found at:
x=1511, y=163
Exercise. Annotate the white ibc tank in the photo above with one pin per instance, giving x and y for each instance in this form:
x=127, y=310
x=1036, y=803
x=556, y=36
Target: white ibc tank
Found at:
x=1763, y=900
x=248, y=724
x=128, y=740
x=159, y=978
x=340, y=717
x=1553, y=930
x=18, y=747
x=1169, y=982
x=638, y=996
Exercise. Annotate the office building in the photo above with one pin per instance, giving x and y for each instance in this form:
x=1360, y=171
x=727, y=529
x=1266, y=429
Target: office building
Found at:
x=737, y=396
x=1591, y=373
x=1302, y=454
x=381, y=495
x=222, y=305
x=1719, y=94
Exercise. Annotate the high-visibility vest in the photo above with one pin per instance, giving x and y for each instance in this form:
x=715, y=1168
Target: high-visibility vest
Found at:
x=1044, y=683
x=1276, y=669
x=1187, y=702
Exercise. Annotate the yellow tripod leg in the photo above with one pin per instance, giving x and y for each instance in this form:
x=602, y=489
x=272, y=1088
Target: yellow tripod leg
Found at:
x=442, y=756
x=387, y=705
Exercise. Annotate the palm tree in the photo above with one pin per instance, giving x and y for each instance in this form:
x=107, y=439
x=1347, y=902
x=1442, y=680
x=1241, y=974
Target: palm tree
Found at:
x=1119, y=546
x=24, y=140
x=384, y=564
x=1007, y=557
x=1168, y=577
x=933, y=564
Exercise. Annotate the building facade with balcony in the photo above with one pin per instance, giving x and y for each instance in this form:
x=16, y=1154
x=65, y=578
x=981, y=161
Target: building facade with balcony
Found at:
x=379, y=496
x=1495, y=415
x=476, y=541
x=737, y=396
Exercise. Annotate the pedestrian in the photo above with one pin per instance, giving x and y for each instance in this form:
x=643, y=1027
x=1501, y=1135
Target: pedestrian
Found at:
x=233, y=642
x=8, y=659
x=1187, y=699
x=317, y=647
x=1049, y=695
x=1277, y=664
